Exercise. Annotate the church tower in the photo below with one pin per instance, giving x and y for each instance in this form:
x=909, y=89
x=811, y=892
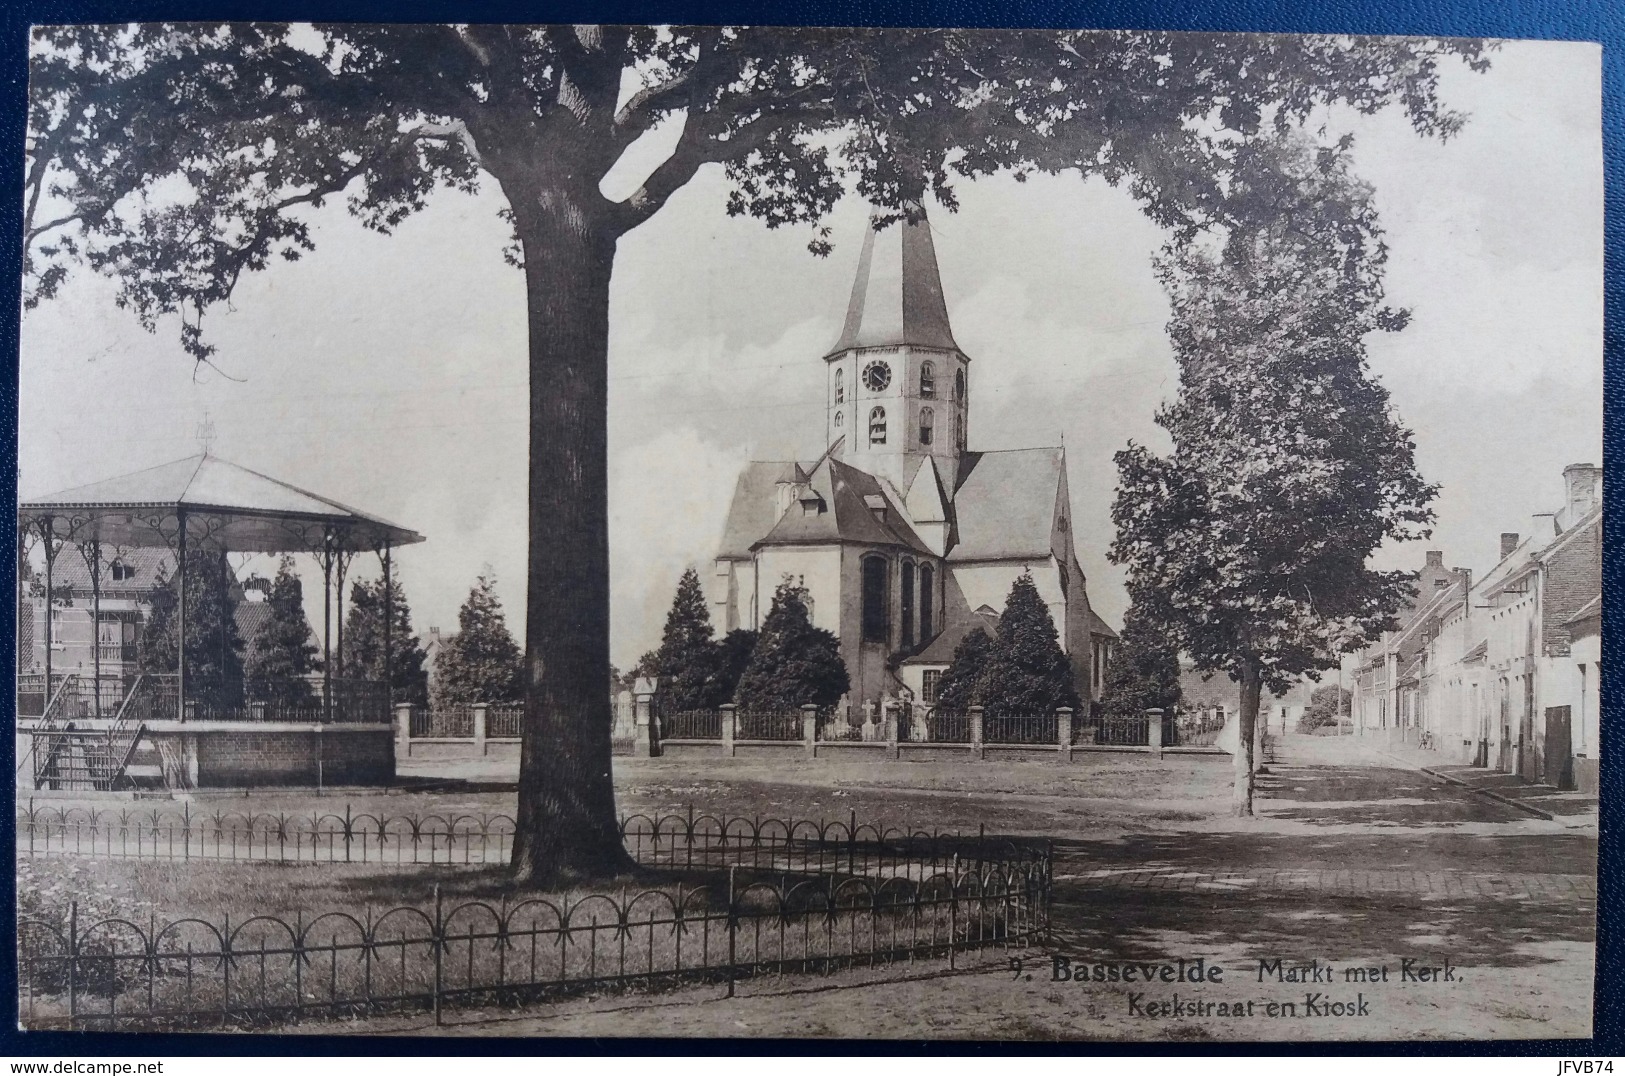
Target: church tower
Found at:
x=897, y=384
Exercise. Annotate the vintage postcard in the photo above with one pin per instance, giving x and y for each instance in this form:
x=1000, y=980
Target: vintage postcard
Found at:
x=809, y=533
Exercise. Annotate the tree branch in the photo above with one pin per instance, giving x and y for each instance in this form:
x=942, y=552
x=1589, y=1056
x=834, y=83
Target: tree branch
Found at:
x=455, y=129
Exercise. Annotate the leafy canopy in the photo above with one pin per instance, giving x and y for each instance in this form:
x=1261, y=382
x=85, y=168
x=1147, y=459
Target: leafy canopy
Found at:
x=176, y=157
x=364, y=641
x=1248, y=543
x=481, y=663
x=1144, y=670
x=793, y=662
x=961, y=683
x=1027, y=671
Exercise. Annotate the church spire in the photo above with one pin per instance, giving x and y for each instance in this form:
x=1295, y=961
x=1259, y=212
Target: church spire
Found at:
x=897, y=294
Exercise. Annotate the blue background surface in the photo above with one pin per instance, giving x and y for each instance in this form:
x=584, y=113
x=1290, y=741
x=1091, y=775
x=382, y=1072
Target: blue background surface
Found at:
x=1576, y=20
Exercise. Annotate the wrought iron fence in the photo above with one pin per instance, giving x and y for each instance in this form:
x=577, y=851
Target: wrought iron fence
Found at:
x=1131, y=731
x=292, y=698
x=767, y=725
x=1193, y=728
x=691, y=725
x=837, y=727
x=504, y=722
x=208, y=971
x=455, y=723
x=1034, y=729
x=943, y=726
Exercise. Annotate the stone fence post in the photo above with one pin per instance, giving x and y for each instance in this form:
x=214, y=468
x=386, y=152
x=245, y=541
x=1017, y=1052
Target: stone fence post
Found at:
x=1063, y=731
x=809, y=728
x=646, y=734
x=888, y=710
x=403, y=729
x=976, y=750
x=729, y=728
x=482, y=711
x=1154, y=732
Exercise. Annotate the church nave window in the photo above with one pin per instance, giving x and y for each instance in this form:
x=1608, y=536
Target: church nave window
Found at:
x=959, y=432
x=875, y=619
x=877, y=426
x=928, y=380
x=926, y=419
x=908, y=603
x=959, y=384
x=840, y=385
x=927, y=594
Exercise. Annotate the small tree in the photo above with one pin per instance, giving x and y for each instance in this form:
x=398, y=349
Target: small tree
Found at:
x=364, y=642
x=687, y=659
x=284, y=650
x=481, y=662
x=1327, y=706
x=1027, y=671
x=1144, y=673
x=733, y=657
x=214, y=646
x=793, y=663
x=961, y=684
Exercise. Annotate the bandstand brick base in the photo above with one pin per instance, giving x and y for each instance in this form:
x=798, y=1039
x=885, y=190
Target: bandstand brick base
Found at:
x=224, y=754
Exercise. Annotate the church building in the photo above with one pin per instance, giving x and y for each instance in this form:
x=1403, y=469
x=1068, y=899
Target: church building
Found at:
x=905, y=538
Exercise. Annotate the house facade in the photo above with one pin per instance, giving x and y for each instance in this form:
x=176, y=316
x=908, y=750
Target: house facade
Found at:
x=904, y=538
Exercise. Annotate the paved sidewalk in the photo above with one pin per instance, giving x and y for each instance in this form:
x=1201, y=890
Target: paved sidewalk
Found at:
x=1576, y=810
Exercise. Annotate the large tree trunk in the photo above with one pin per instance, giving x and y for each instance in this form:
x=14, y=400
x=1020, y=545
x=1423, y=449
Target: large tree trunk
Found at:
x=566, y=823
x=1246, y=722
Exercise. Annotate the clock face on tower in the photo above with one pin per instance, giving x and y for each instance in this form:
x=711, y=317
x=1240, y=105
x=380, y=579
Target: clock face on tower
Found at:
x=876, y=376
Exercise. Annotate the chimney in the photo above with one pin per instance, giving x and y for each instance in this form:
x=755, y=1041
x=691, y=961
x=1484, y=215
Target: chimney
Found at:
x=1509, y=542
x=1435, y=558
x=1582, y=489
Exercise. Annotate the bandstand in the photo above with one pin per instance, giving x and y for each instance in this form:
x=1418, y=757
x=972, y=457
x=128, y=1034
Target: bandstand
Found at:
x=123, y=728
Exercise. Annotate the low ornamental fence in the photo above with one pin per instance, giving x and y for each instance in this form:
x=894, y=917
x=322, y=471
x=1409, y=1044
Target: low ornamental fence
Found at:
x=1023, y=729
x=1131, y=731
x=782, y=725
x=1195, y=728
x=265, y=970
x=688, y=840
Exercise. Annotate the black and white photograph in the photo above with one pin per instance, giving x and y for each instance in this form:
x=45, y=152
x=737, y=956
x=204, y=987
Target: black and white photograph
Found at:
x=775, y=533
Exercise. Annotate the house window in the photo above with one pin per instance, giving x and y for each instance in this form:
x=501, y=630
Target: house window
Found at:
x=926, y=418
x=875, y=618
x=927, y=593
x=840, y=385
x=928, y=685
x=877, y=426
x=121, y=571
x=928, y=380
x=908, y=603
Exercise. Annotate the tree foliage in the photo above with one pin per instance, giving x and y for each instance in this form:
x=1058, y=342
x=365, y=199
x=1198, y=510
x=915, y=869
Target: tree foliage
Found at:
x=733, y=657
x=1328, y=705
x=364, y=641
x=793, y=662
x=687, y=659
x=214, y=646
x=1027, y=671
x=1144, y=670
x=481, y=662
x=284, y=650
x=961, y=685
x=1249, y=541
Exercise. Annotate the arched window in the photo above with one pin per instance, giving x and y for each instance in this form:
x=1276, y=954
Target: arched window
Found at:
x=840, y=385
x=927, y=596
x=908, y=603
x=926, y=418
x=877, y=426
x=959, y=432
x=875, y=618
x=928, y=380
x=959, y=384
x=837, y=420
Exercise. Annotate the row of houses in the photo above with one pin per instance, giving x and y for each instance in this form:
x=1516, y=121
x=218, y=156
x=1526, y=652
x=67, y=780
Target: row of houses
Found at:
x=1501, y=671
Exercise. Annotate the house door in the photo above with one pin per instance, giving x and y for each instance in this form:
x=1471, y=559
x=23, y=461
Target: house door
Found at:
x=1559, y=748
x=1528, y=753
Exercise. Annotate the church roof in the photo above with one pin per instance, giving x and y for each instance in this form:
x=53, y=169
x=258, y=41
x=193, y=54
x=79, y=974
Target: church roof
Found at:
x=755, y=505
x=960, y=621
x=1005, y=503
x=848, y=498
x=897, y=294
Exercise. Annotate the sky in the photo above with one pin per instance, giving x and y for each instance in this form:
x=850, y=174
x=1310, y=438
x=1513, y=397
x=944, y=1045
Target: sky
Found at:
x=390, y=372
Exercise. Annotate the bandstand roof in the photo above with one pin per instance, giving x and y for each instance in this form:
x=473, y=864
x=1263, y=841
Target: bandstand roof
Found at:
x=225, y=506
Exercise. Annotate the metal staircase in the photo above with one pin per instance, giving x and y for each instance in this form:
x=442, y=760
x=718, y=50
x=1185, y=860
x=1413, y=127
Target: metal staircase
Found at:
x=85, y=759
